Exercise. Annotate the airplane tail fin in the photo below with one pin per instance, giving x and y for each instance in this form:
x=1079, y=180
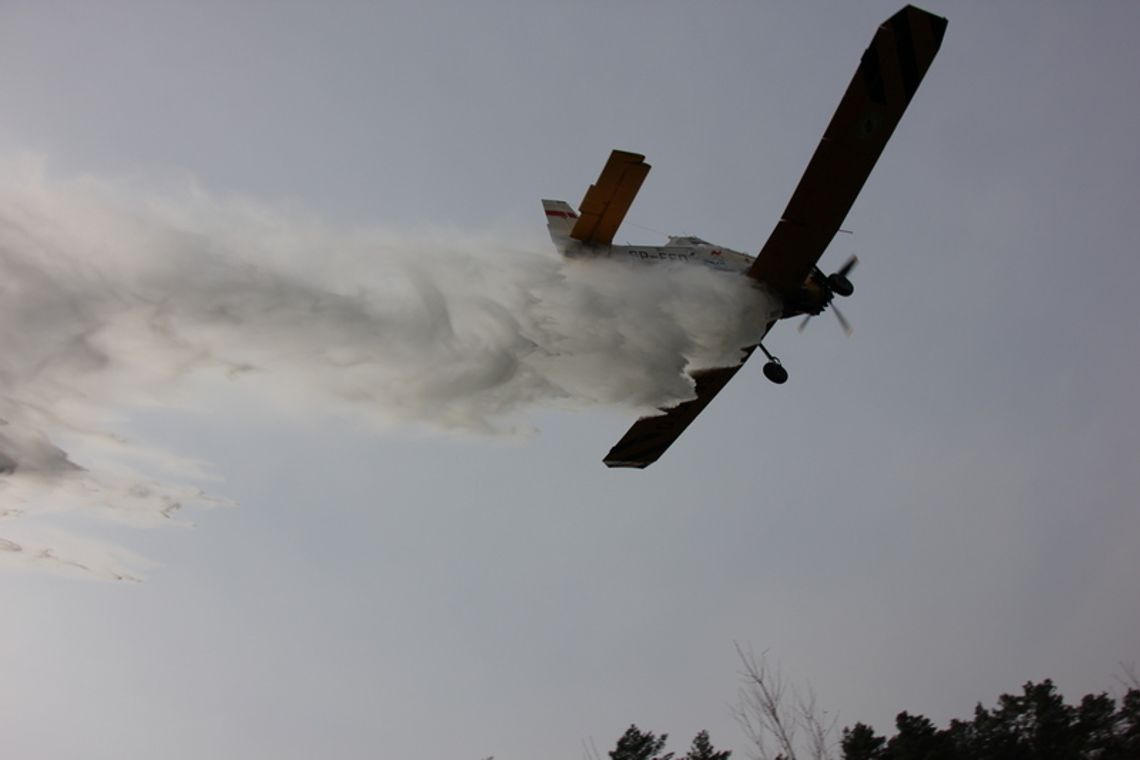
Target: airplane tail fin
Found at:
x=560, y=220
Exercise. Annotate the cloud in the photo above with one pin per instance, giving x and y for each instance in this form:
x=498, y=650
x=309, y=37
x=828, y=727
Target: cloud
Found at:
x=113, y=295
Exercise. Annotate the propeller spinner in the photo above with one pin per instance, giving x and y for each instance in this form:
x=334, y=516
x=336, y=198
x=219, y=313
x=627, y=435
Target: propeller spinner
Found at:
x=837, y=284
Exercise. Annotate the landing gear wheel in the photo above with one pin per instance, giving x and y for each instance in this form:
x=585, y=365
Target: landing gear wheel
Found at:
x=840, y=285
x=775, y=372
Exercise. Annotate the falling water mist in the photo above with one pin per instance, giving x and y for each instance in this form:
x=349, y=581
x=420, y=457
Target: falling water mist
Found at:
x=112, y=298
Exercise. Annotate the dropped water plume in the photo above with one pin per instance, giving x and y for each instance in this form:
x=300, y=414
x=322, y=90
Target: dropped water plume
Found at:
x=113, y=297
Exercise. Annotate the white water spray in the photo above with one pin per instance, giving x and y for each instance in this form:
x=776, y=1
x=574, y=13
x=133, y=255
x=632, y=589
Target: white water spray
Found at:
x=110, y=299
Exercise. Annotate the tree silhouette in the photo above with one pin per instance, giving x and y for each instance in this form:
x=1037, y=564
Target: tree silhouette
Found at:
x=636, y=744
x=860, y=743
x=1034, y=725
x=702, y=749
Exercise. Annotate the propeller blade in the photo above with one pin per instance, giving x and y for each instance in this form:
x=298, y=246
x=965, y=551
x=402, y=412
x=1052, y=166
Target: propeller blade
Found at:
x=842, y=320
x=846, y=268
x=803, y=324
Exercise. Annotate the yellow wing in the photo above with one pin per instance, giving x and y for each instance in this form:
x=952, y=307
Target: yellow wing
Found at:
x=608, y=199
x=886, y=80
x=888, y=76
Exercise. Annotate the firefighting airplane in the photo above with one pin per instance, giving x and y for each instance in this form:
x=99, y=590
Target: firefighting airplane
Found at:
x=888, y=76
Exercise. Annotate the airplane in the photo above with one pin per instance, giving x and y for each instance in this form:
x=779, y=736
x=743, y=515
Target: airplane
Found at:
x=888, y=75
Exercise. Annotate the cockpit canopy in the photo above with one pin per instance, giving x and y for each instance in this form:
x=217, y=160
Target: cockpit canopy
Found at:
x=687, y=240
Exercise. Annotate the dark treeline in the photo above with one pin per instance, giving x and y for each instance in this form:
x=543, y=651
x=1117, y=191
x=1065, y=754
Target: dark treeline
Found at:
x=1035, y=725
x=636, y=744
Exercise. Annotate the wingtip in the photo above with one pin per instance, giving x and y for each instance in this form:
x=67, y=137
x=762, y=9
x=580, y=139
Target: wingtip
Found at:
x=938, y=23
x=625, y=464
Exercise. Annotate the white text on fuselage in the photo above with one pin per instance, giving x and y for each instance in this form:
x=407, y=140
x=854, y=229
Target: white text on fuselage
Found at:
x=659, y=254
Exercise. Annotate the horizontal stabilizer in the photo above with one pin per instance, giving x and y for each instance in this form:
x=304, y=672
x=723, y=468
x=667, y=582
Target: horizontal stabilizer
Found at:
x=607, y=201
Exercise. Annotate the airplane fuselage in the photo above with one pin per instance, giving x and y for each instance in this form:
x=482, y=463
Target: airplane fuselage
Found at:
x=686, y=250
x=811, y=298
x=787, y=266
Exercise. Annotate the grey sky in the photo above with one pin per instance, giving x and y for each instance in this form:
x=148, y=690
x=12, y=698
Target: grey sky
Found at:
x=929, y=513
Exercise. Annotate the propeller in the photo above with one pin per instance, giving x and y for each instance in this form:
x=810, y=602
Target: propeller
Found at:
x=848, y=266
x=837, y=284
x=847, y=328
x=842, y=320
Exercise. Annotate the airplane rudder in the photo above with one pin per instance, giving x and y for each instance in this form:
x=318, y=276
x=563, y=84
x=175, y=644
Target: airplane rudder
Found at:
x=560, y=220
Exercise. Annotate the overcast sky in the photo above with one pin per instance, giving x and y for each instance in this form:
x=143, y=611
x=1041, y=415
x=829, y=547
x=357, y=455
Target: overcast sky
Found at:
x=930, y=513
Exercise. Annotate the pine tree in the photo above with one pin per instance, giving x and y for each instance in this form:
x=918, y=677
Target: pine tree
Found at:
x=702, y=749
x=917, y=739
x=1033, y=725
x=861, y=743
x=636, y=744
